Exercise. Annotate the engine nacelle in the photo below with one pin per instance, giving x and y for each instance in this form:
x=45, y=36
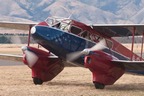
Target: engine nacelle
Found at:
x=45, y=68
x=103, y=70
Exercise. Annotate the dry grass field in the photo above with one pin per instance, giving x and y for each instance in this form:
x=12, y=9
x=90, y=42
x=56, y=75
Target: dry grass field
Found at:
x=15, y=80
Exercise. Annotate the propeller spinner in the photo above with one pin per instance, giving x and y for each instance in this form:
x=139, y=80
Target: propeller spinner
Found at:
x=30, y=56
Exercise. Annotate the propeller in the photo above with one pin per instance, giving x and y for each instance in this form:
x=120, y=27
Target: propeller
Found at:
x=16, y=40
x=30, y=56
x=74, y=55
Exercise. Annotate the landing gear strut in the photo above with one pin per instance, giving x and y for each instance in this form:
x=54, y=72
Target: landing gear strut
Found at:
x=99, y=85
x=37, y=81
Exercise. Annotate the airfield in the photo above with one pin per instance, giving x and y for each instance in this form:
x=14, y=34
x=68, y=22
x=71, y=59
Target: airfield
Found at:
x=15, y=80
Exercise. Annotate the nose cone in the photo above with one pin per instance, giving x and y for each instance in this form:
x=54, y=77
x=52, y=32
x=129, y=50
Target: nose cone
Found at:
x=24, y=48
x=30, y=58
x=33, y=30
x=45, y=33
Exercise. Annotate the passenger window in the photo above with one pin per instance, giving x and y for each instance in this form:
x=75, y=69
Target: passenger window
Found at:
x=85, y=34
x=109, y=44
x=75, y=30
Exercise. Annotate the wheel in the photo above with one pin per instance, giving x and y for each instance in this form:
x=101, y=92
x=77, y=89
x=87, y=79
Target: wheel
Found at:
x=99, y=85
x=37, y=81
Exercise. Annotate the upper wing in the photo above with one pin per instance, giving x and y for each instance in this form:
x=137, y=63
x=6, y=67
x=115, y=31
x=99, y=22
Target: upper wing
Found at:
x=17, y=25
x=132, y=66
x=119, y=30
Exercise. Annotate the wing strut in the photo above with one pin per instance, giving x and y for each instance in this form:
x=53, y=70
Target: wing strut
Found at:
x=142, y=46
x=133, y=39
x=30, y=26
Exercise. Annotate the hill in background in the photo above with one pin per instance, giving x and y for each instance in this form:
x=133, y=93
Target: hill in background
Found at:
x=87, y=11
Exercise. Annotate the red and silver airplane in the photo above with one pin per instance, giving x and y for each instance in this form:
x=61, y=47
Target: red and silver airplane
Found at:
x=89, y=46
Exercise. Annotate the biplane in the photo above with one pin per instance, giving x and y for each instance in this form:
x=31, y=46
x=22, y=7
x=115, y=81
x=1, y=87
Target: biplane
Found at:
x=89, y=46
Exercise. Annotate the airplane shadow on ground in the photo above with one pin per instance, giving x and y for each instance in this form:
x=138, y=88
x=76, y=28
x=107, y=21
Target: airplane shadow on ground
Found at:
x=60, y=83
x=126, y=87
x=116, y=87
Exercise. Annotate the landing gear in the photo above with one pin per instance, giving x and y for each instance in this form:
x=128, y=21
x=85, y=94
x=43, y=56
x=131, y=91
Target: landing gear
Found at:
x=37, y=81
x=99, y=85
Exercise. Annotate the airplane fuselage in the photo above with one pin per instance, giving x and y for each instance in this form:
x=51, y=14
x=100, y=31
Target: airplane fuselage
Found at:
x=77, y=37
x=62, y=43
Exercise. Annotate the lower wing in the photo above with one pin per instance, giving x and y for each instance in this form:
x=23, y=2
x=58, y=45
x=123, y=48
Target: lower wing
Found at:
x=19, y=58
x=132, y=66
x=11, y=57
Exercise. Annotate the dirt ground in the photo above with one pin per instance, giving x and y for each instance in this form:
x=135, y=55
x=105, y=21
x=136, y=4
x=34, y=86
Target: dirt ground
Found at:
x=73, y=81
x=15, y=80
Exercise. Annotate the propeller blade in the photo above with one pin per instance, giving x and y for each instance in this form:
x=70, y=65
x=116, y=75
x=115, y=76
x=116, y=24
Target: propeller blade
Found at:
x=16, y=40
x=73, y=56
x=99, y=46
x=31, y=58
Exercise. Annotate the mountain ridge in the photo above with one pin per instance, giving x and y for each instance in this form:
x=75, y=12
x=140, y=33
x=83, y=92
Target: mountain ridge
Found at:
x=86, y=11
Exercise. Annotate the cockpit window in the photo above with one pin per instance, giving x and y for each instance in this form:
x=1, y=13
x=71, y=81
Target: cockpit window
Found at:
x=57, y=25
x=61, y=23
x=65, y=24
x=51, y=21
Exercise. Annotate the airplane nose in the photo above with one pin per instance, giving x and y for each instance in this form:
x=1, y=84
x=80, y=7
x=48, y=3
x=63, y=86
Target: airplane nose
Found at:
x=33, y=30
